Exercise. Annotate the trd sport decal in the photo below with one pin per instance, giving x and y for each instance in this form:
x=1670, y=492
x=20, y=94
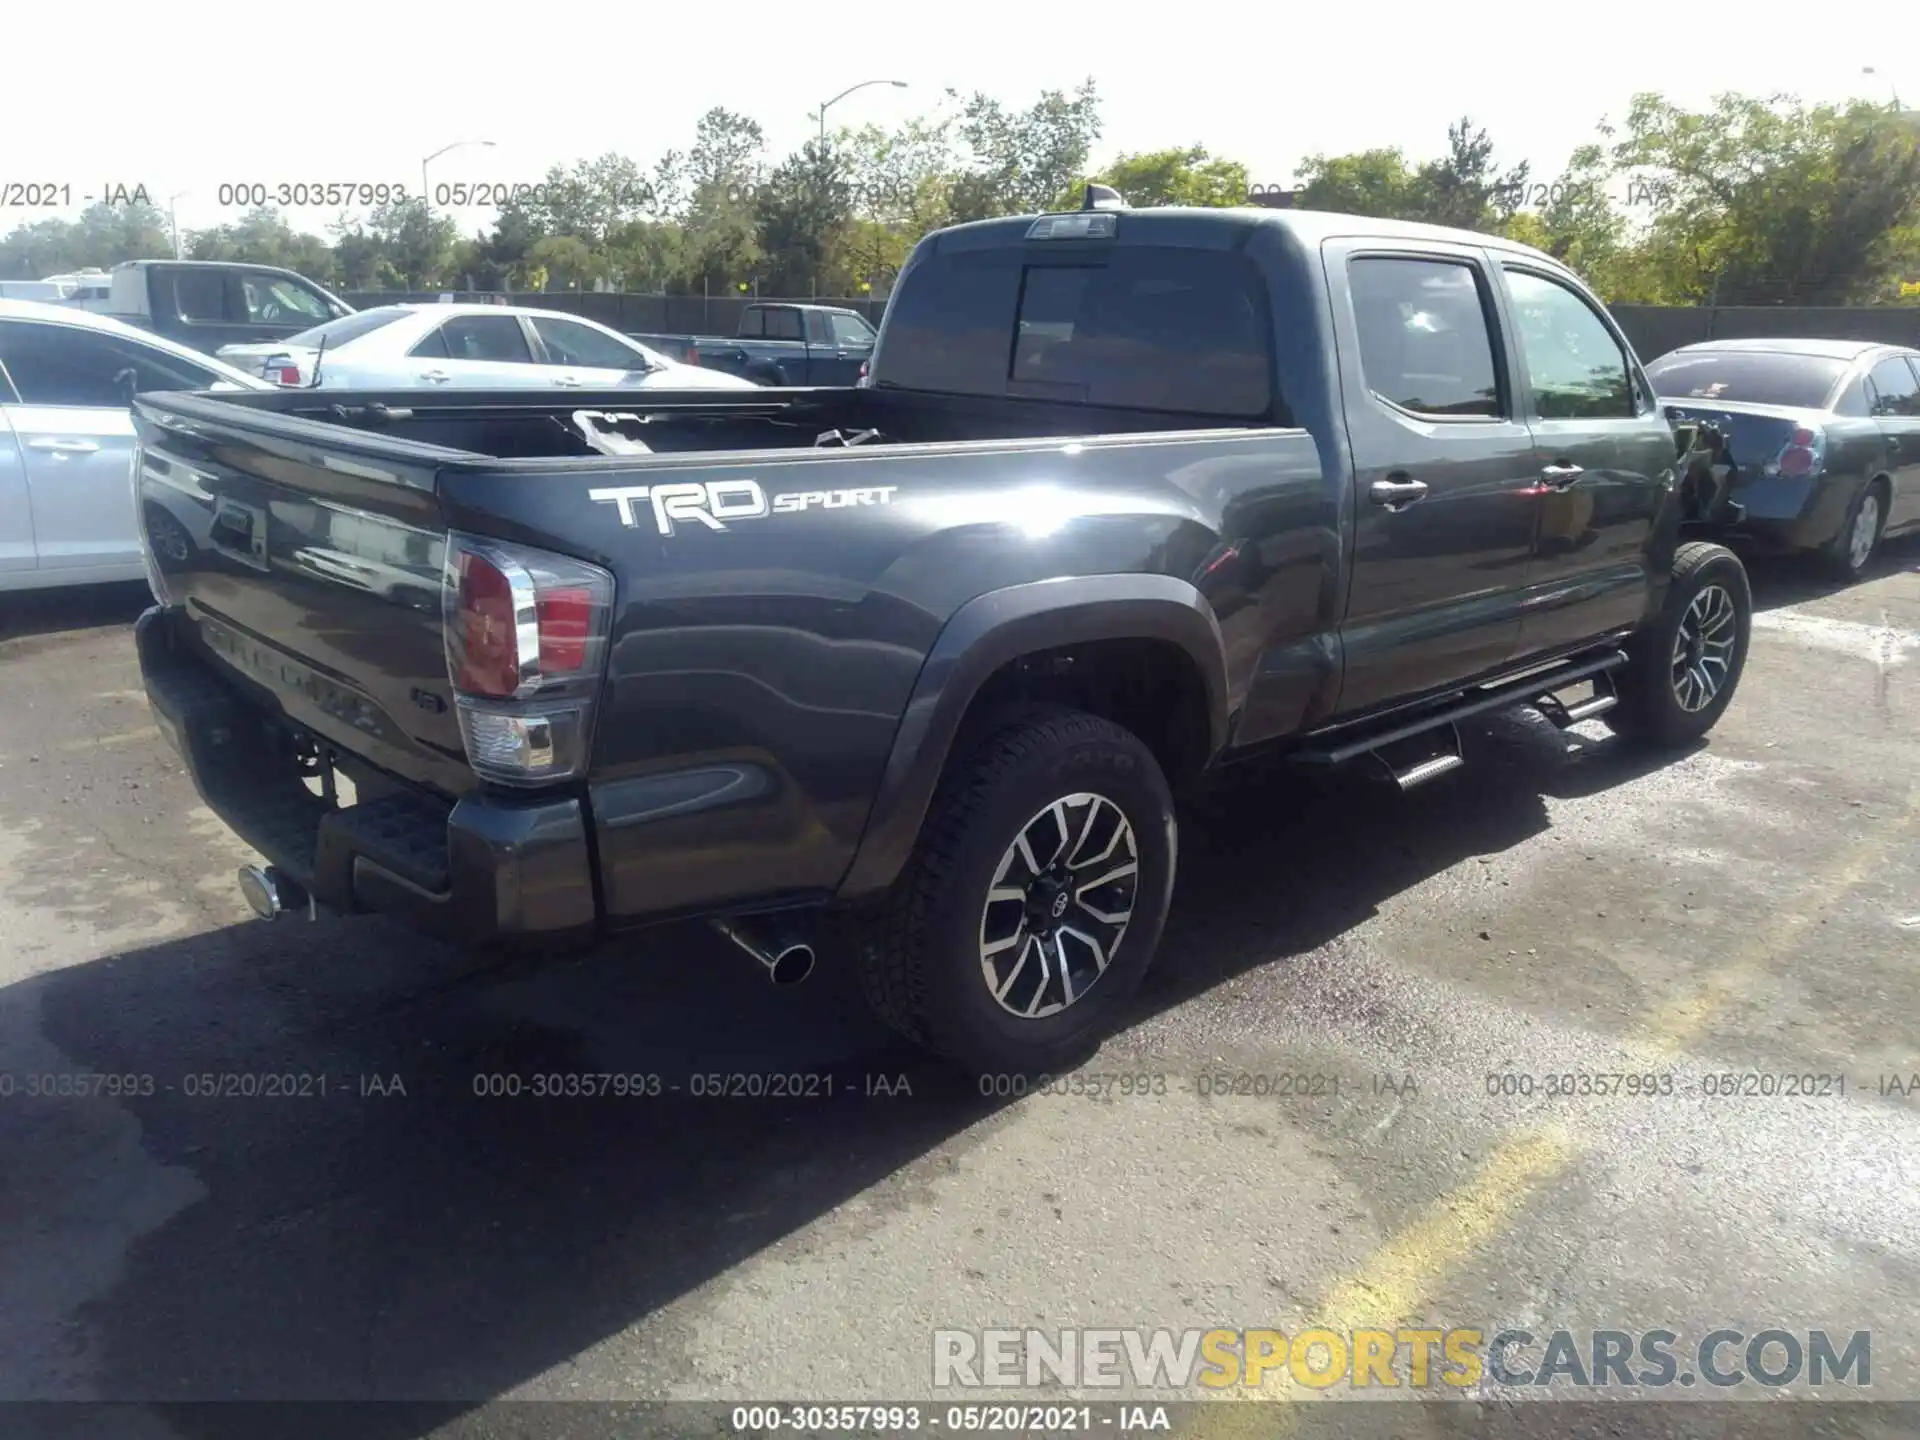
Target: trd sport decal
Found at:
x=719, y=501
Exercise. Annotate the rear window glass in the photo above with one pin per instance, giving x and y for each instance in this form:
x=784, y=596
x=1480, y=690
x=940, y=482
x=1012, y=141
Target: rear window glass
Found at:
x=1155, y=328
x=1760, y=377
x=347, y=327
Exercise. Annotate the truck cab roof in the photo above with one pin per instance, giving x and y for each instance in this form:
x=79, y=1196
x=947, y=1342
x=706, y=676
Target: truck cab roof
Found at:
x=1223, y=227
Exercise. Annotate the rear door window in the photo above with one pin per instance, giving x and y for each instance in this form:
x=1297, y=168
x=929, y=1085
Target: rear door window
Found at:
x=1153, y=328
x=483, y=337
x=1425, y=344
x=70, y=365
x=1896, y=393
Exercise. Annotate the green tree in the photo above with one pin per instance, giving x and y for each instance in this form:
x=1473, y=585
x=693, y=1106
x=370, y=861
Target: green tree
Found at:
x=1766, y=200
x=1019, y=161
x=1182, y=176
x=1375, y=183
x=263, y=237
x=104, y=236
x=723, y=172
x=801, y=214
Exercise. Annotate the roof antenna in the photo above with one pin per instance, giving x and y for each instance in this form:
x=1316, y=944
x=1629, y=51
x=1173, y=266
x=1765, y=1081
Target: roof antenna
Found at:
x=1103, y=197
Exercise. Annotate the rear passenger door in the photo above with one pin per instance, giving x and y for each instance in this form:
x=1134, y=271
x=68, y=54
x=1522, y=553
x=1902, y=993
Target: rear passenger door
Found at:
x=476, y=352
x=1603, y=453
x=1895, y=396
x=1443, y=468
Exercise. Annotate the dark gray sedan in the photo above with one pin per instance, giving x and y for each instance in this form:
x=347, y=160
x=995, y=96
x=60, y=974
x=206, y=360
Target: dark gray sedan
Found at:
x=1823, y=436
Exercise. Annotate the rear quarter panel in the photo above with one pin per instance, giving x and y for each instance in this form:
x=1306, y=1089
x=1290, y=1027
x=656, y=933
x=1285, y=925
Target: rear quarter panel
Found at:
x=758, y=674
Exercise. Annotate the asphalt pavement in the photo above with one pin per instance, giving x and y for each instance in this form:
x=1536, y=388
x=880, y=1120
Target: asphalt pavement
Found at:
x=296, y=1173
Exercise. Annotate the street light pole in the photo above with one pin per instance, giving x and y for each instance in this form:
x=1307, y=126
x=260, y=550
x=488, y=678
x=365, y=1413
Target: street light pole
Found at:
x=173, y=221
x=824, y=104
x=426, y=194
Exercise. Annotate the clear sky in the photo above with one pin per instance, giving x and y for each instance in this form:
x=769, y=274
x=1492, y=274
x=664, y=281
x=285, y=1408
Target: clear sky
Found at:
x=351, y=91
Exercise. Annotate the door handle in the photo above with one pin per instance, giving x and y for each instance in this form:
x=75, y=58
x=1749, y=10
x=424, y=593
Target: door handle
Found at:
x=1559, y=477
x=63, y=447
x=573, y=380
x=1395, y=494
x=438, y=377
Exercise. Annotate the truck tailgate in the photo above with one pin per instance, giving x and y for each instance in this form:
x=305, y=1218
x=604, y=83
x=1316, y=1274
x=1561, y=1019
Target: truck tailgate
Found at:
x=309, y=568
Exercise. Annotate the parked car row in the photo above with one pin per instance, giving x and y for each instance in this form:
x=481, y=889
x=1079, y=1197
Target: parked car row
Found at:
x=1821, y=439
x=398, y=347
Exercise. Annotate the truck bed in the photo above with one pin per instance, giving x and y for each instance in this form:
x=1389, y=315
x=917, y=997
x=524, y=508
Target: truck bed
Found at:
x=511, y=425
x=757, y=669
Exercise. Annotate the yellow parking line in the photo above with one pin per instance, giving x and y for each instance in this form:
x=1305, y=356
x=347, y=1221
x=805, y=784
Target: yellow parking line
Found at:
x=1669, y=1027
x=1411, y=1267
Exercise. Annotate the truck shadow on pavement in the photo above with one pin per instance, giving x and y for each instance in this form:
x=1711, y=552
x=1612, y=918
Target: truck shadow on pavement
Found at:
x=27, y=613
x=389, y=1228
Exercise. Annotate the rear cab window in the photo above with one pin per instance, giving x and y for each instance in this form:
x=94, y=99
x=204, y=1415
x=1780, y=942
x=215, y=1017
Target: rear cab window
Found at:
x=1141, y=326
x=1759, y=377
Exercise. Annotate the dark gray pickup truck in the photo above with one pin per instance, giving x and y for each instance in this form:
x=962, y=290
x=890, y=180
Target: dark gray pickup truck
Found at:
x=781, y=344
x=921, y=665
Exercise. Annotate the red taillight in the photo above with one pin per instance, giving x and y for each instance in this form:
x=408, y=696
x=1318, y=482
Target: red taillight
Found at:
x=566, y=621
x=282, y=373
x=489, y=651
x=526, y=635
x=1802, y=453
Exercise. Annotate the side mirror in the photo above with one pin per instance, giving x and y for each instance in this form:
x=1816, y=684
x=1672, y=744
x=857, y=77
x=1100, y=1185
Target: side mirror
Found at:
x=127, y=382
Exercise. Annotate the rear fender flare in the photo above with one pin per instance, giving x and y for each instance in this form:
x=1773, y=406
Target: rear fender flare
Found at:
x=985, y=634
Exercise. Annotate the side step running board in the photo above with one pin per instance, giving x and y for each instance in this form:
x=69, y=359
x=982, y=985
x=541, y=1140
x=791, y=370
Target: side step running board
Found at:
x=1536, y=689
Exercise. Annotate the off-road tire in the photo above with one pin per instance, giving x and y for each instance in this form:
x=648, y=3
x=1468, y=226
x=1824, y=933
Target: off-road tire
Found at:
x=1650, y=711
x=1836, y=556
x=918, y=951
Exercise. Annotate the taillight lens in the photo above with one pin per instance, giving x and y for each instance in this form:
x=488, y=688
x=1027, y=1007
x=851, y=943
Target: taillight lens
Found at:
x=526, y=637
x=1802, y=453
x=863, y=373
x=281, y=371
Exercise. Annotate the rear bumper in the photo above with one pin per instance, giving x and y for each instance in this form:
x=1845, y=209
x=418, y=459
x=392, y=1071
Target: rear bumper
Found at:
x=1792, y=512
x=481, y=868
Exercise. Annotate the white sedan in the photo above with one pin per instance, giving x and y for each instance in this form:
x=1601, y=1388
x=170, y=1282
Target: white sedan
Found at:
x=67, y=441
x=488, y=347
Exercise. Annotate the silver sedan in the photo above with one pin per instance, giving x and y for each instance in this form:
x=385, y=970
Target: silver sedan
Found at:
x=66, y=439
x=487, y=347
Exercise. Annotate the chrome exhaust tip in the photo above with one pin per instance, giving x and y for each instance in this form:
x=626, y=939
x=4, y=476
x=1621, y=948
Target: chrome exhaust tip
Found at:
x=791, y=965
x=269, y=894
x=787, y=961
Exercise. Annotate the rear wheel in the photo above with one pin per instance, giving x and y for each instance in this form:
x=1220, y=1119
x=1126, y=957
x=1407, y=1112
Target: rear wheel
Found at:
x=1850, y=551
x=1034, y=901
x=1683, y=667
